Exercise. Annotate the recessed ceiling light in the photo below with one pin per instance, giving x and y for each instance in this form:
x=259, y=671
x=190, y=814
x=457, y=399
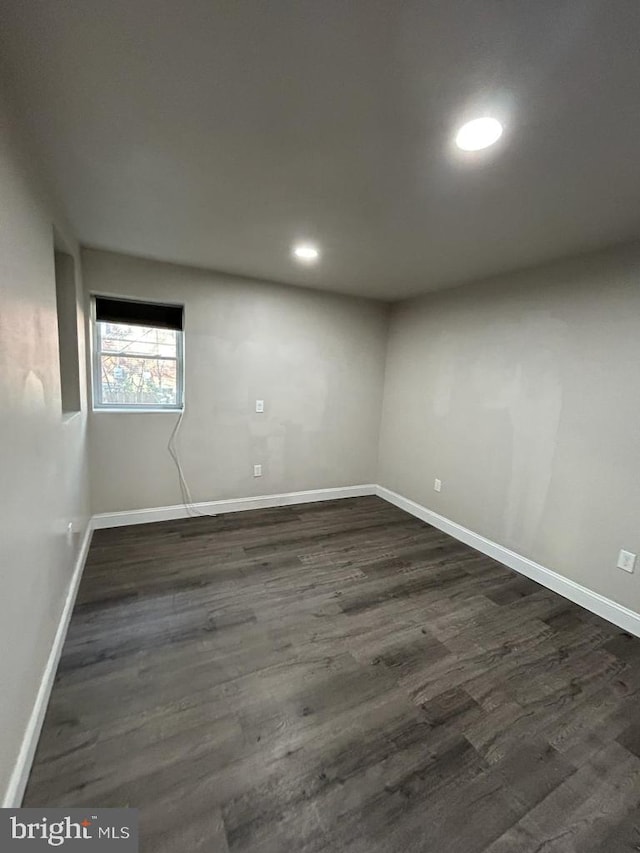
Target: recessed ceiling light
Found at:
x=478, y=134
x=306, y=252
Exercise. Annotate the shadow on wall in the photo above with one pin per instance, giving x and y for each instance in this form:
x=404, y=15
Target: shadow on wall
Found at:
x=516, y=376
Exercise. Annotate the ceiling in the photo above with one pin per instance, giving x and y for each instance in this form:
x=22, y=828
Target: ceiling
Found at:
x=219, y=132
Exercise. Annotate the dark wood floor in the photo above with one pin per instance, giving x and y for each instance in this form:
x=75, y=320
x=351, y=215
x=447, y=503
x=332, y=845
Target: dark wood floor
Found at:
x=339, y=677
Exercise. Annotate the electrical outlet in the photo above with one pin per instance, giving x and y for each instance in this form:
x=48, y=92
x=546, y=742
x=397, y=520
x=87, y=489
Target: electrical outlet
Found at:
x=259, y=405
x=626, y=561
x=257, y=470
x=437, y=485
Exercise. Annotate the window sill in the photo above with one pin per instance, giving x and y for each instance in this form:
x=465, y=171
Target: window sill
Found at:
x=130, y=411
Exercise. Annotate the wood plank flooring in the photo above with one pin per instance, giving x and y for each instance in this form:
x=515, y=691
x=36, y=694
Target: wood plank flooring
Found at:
x=339, y=677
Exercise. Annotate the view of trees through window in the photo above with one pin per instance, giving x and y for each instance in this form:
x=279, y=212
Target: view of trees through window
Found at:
x=138, y=365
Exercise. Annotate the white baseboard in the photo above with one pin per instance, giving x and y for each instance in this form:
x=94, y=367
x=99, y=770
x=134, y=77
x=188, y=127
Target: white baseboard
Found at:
x=18, y=781
x=610, y=610
x=169, y=513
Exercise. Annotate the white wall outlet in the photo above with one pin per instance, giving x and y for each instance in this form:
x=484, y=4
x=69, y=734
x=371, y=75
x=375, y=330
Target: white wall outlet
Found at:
x=257, y=470
x=259, y=405
x=626, y=561
x=437, y=485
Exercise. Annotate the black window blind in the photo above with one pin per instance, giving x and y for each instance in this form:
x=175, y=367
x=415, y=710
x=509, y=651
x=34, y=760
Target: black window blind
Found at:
x=139, y=313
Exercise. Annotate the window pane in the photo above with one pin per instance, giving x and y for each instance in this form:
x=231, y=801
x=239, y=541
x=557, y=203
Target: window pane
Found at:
x=128, y=380
x=138, y=340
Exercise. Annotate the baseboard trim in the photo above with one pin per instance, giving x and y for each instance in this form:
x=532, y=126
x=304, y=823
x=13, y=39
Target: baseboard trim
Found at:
x=169, y=513
x=610, y=610
x=20, y=775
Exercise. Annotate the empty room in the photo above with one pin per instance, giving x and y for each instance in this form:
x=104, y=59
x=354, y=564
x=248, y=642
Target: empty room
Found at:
x=320, y=429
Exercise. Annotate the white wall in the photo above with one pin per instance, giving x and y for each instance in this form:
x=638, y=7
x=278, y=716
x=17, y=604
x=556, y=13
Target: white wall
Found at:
x=316, y=359
x=43, y=470
x=522, y=394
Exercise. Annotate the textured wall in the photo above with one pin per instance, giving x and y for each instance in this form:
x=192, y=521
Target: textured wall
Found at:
x=316, y=359
x=522, y=395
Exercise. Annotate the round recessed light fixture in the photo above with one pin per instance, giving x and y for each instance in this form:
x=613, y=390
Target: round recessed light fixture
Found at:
x=479, y=133
x=306, y=253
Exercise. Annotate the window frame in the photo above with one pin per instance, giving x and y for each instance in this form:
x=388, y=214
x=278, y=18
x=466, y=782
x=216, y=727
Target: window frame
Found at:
x=96, y=367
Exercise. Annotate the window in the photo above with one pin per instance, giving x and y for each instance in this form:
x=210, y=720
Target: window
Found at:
x=67, y=315
x=137, y=360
